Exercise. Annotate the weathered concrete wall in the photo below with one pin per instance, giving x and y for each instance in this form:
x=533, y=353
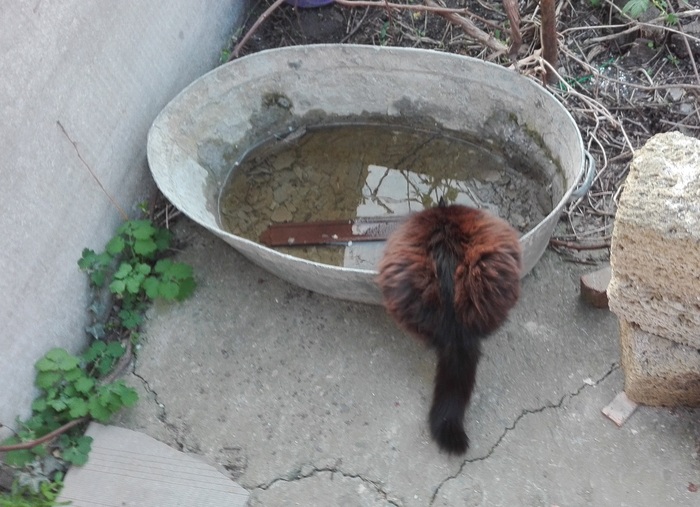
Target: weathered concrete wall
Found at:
x=103, y=70
x=655, y=258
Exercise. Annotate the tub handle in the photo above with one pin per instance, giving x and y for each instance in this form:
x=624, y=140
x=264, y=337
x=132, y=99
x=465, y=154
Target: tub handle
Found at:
x=587, y=180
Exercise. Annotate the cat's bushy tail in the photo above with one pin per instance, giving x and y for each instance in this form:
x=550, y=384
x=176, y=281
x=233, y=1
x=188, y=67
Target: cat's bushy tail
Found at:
x=454, y=382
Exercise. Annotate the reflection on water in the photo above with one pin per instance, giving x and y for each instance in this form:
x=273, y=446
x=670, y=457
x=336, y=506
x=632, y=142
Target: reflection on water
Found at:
x=350, y=171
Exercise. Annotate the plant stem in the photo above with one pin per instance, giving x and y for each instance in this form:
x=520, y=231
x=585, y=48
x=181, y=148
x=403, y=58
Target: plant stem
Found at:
x=49, y=436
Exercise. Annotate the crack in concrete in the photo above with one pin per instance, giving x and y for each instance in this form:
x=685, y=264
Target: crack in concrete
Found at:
x=508, y=429
x=307, y=471
x=150, y=390
x=162, y=412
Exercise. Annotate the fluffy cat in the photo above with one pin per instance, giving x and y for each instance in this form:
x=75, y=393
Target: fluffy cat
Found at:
x=449, y=275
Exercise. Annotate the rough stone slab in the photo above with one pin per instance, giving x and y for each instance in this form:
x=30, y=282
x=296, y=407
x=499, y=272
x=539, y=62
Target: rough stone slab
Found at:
x=659, y=371
x=127, y=468
x=661, y=314
x=594, y=287
x=655, y=252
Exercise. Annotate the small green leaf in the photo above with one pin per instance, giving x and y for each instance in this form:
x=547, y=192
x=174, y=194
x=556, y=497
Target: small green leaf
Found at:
x=143, y=269
x=76, y=455
x=39, y=405
x=180, y=270
x=128, y=396
x=186, y=289
x=104, y=365
x=168, y=290
x=84, y=443
x=117, y=287
x=46, y=379
x=74, y=374
x=94, y=351
x=58, y=405
x=98, y=411
x=151, y=286
x=69, y=390
x=19, y=458
x=124, y=269
x=78, y=407
x=84, y=384
x=635, y=8
x=145, y=247
x=142, y=229
x=115, y=246
x=115, y=349
x=56, y=359
x=162, y=238
x=130, y=319
x=133, y=285
x=98, y=278
x=87, y=260
x=163, y=266
x=45, y=364
x=62, y=359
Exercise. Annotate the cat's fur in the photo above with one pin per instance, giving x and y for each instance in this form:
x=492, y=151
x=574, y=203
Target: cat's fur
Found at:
x=449, y=275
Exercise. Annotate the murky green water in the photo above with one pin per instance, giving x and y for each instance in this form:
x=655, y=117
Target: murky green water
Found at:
x=350, y=171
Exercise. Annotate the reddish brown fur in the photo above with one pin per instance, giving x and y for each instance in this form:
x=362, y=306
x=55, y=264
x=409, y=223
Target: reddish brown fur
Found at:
x=473, y=258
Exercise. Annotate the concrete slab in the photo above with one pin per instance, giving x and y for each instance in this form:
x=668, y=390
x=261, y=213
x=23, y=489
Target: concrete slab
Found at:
x=297, y=394
x=129, y=468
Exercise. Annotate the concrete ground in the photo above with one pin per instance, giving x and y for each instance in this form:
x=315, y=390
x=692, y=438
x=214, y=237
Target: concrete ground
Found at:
x=311, y=401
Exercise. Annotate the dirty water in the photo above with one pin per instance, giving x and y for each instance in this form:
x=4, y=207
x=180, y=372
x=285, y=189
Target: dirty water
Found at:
x=346, y=172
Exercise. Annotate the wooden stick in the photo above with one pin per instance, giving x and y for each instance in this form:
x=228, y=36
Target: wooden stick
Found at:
x=253, y=28
x=550, y=50
x=516, y=39
x=579, y=246
x=470, y=28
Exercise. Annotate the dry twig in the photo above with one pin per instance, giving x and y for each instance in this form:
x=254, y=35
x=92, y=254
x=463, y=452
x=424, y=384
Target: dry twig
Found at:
x=470, y=29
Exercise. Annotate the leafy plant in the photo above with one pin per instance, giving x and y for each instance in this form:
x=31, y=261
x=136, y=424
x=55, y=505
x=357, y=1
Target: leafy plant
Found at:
x=44, y=495
x=383, y=34
x=131, y=270
x=635, y=8
x=70, y=390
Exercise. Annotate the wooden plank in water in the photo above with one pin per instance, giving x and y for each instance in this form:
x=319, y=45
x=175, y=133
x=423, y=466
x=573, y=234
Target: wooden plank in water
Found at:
x=328, y=232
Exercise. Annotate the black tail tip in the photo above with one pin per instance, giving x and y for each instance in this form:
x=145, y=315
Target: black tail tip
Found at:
x=449, y=436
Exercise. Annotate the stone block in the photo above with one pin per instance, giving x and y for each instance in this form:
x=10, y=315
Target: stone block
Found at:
x=594, y=287
x=658, y=371
x=655, y=252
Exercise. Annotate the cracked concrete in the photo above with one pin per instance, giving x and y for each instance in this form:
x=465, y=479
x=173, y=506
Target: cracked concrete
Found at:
x=306, y=400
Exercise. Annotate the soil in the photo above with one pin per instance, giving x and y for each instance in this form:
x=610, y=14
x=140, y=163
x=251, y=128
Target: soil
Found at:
x=622, y=79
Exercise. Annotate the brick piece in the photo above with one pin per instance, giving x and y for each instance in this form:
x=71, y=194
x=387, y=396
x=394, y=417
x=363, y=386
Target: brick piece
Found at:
x=655, y=251
x=594, y=287
x=658, y=371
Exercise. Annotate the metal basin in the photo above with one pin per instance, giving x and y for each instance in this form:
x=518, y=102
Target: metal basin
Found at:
x=198, y=136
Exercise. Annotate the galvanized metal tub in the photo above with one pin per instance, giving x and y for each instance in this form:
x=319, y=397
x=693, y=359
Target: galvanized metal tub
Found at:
x=195, y=140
